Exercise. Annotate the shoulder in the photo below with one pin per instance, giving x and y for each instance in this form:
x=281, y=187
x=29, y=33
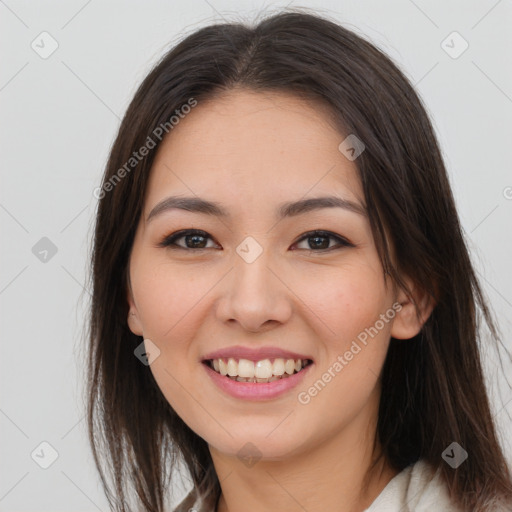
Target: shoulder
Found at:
x=417, y=488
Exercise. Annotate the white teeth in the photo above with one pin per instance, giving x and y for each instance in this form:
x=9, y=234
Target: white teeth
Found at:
x=223, y=367
x=264, y=370
x=278, y=367
x=232, y=367
x=289, y=366
x=245, y=368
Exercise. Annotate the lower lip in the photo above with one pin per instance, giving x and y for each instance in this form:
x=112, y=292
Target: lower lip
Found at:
x=256, y=390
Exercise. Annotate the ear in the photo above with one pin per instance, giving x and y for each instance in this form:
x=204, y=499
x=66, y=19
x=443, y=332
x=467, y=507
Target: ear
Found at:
x=133, y=319
x=416, y=307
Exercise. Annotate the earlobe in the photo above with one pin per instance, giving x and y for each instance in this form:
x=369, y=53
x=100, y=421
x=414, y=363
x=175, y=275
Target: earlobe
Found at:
x=134, y=322
x=133, y=319
x=415, y=310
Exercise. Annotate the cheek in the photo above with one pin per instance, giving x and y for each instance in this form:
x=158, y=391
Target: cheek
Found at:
x=167, y=298
x=354, y=301
x=355, y=342
x=170, y=306
x=348, y=300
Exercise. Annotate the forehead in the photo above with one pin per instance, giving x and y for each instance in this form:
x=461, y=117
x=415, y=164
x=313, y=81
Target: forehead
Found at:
x=245, y=143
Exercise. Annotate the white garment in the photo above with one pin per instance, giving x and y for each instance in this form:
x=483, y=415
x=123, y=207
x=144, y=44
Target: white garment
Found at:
x=415, y=489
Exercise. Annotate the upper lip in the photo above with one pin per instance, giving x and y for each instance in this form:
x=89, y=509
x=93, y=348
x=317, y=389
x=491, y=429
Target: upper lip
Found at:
x=254, y=354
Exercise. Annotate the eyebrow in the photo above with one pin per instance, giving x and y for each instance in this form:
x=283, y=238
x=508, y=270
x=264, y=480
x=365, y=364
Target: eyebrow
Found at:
x=288, y=209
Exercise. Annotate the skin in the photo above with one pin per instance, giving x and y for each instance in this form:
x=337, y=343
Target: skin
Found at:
x=250, y=151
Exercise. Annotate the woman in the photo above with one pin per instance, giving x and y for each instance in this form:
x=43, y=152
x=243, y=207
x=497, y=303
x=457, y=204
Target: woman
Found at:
x=282, y=296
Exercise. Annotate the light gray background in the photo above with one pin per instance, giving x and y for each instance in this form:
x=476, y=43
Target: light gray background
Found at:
x=59, y=118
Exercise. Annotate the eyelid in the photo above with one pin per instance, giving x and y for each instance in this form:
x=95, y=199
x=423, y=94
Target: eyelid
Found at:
x=342, y=241
x=169, y=240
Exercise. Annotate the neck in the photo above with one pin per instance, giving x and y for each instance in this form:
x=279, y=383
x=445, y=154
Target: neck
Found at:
x=331, y=476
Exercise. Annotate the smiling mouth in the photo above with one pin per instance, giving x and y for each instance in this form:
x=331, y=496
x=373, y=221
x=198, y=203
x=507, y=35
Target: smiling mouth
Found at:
x=265, y=370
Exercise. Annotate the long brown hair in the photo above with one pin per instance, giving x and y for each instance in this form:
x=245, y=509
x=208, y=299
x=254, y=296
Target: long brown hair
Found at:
x=433, y=387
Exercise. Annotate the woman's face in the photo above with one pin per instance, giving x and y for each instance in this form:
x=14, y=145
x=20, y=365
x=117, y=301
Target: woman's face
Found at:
x=254, y=278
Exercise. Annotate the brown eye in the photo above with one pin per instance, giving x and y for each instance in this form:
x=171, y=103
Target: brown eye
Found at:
x=321, y=241
x=193, y=239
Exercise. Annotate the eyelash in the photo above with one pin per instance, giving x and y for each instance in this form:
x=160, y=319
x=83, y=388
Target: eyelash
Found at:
x=169, y=241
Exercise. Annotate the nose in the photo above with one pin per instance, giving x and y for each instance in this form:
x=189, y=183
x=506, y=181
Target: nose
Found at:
x=254, y=294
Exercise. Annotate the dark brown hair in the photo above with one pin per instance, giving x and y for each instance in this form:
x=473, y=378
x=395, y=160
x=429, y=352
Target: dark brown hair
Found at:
x=433, y=390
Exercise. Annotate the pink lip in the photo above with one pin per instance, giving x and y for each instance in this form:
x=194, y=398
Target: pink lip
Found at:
x=254, y=354
x=255, y=390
